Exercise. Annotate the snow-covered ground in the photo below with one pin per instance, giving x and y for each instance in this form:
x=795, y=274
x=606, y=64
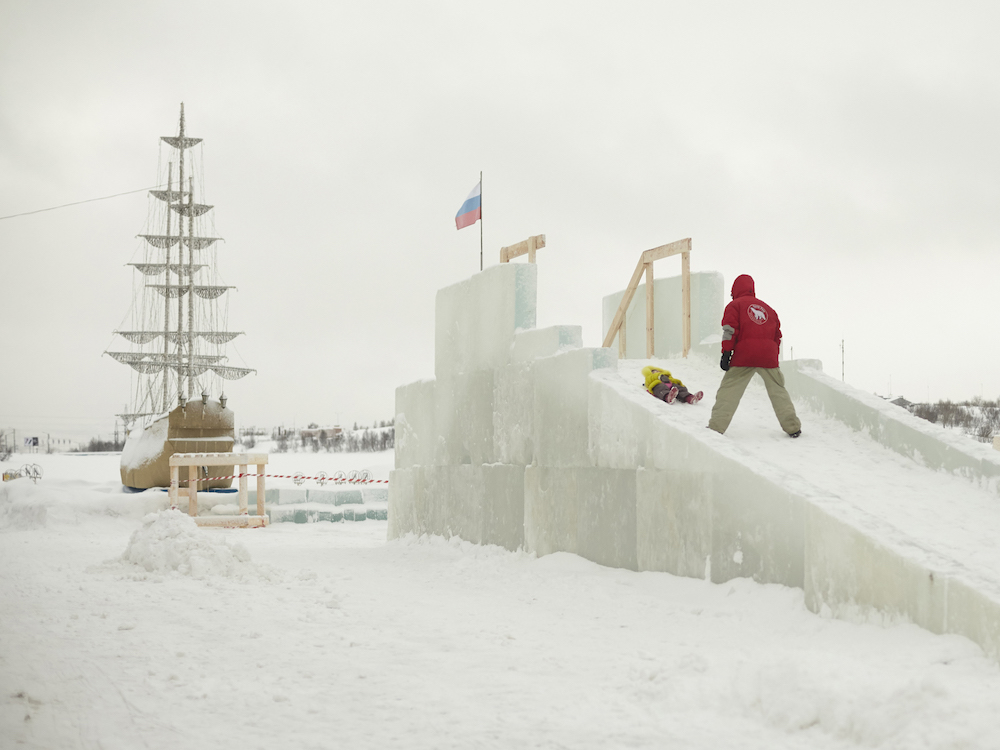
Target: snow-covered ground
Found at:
x=120, y=632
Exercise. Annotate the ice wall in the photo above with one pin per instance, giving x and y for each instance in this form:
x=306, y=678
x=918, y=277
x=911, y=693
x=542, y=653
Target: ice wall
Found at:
x=505, y=396
x=705, y=508
x=475, y=320
x=892, y=426
x=707, y=305
x=526, y=439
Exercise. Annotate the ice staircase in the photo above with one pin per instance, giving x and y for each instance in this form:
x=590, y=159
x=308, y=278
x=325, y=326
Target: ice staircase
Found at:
x=526, y=439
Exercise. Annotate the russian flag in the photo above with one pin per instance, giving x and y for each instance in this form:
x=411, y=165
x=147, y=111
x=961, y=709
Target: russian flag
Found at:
x=472, y=210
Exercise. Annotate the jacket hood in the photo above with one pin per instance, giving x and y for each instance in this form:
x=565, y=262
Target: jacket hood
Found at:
x=743, y=287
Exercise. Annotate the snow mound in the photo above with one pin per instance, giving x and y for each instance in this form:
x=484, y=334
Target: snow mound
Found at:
x=17, y=509
x=170, y=542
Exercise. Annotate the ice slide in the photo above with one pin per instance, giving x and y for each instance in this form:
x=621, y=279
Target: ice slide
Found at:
x=527, y=439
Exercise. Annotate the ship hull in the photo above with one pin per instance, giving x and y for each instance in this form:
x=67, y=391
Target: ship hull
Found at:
x=193, y=428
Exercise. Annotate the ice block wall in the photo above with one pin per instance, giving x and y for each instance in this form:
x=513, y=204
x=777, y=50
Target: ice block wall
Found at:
x=463, y=439
x=527, y=439
x=707, y=305
x=506, y=396
x=877, y=418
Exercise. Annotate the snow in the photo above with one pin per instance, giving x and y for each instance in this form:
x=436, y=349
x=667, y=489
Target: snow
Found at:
x=124, y=626
x=144, y=445
x=169, y=541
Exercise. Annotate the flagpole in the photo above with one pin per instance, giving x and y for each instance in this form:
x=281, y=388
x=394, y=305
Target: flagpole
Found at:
x=480, y=220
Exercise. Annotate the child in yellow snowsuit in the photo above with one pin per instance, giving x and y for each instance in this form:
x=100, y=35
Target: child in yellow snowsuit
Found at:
x=665, y=386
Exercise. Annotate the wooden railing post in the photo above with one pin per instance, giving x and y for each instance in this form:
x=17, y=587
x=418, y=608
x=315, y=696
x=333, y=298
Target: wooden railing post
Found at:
x=686, y=300
x=260, y=490
x=619, y=319
x=192, y=490
x=174, y=482
x=650, y=345
x=243, y=489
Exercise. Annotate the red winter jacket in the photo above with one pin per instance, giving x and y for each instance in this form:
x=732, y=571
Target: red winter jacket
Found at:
x=750, y=328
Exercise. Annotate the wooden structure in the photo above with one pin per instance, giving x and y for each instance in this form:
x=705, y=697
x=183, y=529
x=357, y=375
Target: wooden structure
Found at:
x=528, y=246
x=195, y=461
x=201, y=426
x=646, y=260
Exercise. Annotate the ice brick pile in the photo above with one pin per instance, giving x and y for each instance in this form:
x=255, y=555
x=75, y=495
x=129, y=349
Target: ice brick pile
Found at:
x=305, y=505
x=308, y=505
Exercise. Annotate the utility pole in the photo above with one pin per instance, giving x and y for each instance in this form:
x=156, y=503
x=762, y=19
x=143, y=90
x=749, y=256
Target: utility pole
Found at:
x=842, y=361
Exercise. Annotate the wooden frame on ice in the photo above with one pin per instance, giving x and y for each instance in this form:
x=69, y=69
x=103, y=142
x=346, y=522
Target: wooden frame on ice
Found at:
x=682, y=248
x=528, y=246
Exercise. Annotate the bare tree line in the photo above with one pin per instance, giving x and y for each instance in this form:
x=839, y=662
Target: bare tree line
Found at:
x=380, y=437
x=977, y=418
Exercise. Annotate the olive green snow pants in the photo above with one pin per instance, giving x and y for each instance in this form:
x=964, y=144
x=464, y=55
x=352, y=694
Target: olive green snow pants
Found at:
x=735, y=382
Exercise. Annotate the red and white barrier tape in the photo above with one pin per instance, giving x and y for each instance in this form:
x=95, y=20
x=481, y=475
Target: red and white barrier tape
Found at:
x=299, y=477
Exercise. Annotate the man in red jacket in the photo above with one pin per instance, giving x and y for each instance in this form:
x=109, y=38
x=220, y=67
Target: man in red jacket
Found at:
x=751, y=333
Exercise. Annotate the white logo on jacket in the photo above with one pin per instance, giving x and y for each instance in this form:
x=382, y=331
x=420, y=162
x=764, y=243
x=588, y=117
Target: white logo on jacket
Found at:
x=757, y=314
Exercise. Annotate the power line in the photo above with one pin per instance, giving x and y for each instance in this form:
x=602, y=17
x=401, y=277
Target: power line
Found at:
x=89, y=200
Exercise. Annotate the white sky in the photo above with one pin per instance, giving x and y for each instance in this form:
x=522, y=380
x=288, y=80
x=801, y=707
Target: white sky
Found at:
x=844, y=154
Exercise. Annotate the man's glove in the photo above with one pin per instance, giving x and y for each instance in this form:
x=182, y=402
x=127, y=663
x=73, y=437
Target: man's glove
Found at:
x=727, y=357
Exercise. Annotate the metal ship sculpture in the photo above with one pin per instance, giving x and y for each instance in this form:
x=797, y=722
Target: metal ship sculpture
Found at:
x=178, y=330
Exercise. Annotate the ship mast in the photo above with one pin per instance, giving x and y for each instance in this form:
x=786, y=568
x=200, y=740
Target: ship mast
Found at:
x=180, y=263
x=166, y=297
x=190, y=341
x=178, y=351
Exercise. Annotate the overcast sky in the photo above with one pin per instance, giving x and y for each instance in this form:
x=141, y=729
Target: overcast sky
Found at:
x=844, y=154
